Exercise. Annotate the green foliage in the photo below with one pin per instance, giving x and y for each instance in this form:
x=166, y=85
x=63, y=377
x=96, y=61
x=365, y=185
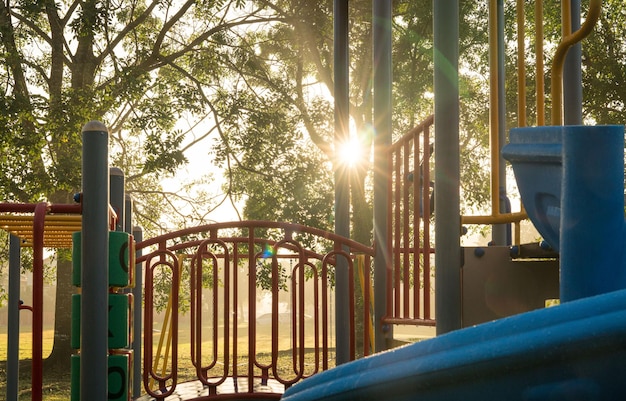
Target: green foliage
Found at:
x=604, y=67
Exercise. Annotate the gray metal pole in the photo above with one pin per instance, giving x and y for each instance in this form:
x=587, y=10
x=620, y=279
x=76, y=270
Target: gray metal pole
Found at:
x=128, y=214
x=342, y=184
x=499, y=231
x=572, y=76
x=447, y=171
x=382, y=80
x=13, y=326
x=116, y=193
x=95, y=264
x=137, y=316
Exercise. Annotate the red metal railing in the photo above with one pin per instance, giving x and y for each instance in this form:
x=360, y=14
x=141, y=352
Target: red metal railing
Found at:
x=234, y=273
x=411, y=202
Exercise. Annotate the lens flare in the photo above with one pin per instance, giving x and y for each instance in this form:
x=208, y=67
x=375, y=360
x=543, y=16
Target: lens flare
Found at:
x=351, y=152
x=268, y=251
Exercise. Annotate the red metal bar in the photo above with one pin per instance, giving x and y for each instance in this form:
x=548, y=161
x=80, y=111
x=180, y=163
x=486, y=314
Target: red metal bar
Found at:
x=300, y=328
x=165, y=387
x=352, y=303
x=316, y=300
x=325, y=297
x=397, y=231
x=390, y=241
x=252, y=308
x=30, y=208
x=37, y=361
x=406, y=240
x=366, y=306
x=235, y=307
x=417, y=195
x=251, y=224
x=426, y=249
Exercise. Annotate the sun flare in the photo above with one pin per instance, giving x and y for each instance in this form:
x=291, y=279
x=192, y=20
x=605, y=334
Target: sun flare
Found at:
x=351, y=152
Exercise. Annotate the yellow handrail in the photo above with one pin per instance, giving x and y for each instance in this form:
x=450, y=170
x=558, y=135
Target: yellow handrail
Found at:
x=595, y=9
x=569, y=39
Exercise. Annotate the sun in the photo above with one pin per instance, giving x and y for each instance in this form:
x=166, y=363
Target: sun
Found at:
x=350, y=152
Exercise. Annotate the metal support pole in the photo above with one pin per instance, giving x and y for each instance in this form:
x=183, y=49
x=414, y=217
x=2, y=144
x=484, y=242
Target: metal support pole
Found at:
x=572, y=76
x=501, y=232
x=128, y=214
x=382, y=81
x=342, y=184
x=116, y=193
x=13, y=326
x=95, y=264
x=137, y=318
x=447, y=171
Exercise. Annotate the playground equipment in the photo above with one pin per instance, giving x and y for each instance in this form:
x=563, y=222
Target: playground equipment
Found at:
x=544, y=354
x=572, y=179
x=572, y=350
x=38, y=226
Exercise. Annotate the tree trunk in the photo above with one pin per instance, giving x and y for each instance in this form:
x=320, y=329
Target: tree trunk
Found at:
x=362, y=225
x=62, y=348
x=59, y=359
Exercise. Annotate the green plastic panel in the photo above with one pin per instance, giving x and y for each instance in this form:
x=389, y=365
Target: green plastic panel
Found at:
x=121, y=257
x=118, y=321
x=118, y=377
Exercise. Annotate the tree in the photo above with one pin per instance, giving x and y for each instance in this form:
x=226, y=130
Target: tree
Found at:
x=291, y=62
x=138, y=66
x=604, y=67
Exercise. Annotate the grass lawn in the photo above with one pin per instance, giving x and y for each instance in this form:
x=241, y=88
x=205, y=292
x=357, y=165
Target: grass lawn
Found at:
x=56, y=385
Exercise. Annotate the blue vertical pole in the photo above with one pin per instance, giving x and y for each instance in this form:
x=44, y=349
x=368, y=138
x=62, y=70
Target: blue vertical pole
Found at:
x=342, y=184
x=447, y=170
x=13, y=329
x=95, y=263
x=382, y=81
x=137, y=323
x=592, y=212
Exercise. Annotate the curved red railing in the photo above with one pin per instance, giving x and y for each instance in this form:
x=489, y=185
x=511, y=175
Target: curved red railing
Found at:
x=241, y=258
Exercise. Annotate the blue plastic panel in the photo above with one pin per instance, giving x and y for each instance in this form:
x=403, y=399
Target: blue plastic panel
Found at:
x=536, y=156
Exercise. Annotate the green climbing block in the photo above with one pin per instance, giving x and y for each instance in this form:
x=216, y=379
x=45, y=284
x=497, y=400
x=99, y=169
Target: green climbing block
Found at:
x=118, y=377
x=118, y=321
x=121, y=257
x=119, y=385
x=75, y=377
